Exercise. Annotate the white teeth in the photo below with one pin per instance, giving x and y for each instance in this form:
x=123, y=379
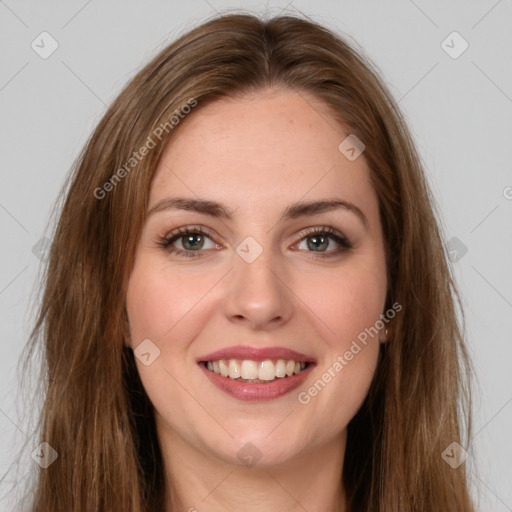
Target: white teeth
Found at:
x=224, y=369
x=234, y=369
x=280, y=368
x=247, y=369
x=267, y=371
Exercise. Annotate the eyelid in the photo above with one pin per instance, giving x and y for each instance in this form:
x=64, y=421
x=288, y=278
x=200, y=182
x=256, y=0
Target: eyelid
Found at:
x=319, y=229
x=185, y=230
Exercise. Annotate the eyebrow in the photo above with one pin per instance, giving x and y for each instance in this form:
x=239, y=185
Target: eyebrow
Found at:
x=293, y=211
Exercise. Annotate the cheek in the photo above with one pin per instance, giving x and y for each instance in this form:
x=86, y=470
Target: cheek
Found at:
x=349, y=304
x=346, y=302
x=166, y=307
x=159, y=301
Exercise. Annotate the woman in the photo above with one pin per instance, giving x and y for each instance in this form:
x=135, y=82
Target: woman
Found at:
x=247, y=303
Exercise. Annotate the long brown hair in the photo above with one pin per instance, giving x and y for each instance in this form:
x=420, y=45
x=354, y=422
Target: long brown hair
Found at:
x=96, y=414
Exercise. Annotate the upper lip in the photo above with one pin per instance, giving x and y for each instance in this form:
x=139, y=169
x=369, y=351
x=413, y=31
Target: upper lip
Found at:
x=256, y=354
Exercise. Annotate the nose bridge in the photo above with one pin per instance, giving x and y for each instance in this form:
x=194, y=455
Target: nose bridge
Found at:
x=257, y=293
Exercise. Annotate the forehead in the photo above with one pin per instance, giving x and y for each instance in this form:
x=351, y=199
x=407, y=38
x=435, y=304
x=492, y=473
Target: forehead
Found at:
x=267, y=148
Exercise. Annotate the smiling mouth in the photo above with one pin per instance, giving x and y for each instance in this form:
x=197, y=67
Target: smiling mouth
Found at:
x=256, y=372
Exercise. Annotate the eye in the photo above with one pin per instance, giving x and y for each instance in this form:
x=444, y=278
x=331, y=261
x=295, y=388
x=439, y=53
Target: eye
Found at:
x=319, y=239
x=192, y=240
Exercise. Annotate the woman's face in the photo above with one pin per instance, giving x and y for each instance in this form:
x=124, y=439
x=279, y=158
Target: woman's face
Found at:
x=265, y=276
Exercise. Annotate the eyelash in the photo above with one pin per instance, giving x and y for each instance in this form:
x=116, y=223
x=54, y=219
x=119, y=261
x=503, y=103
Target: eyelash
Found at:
x=343, y=241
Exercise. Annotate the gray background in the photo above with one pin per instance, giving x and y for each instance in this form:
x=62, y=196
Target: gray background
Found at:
x=459, y=110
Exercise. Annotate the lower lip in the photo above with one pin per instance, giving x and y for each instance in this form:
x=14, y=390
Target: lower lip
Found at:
x=258, y=392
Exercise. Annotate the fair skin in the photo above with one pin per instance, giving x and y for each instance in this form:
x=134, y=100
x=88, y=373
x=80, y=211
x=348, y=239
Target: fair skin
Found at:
x=257, y=155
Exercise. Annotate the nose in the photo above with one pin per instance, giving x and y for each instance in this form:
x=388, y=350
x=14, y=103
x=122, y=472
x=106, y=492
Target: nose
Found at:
x=258, y=294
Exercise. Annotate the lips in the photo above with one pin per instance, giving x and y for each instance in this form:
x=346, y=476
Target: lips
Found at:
x=246, y=387
x=256, y=354
x=257, y=392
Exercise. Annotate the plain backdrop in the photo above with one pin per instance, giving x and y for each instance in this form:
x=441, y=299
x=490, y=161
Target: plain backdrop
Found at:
x=457, y=101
